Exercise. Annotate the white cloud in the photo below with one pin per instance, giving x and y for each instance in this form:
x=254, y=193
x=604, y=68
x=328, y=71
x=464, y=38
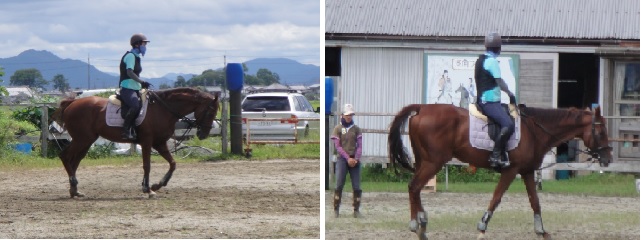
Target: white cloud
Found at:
x=188, y=36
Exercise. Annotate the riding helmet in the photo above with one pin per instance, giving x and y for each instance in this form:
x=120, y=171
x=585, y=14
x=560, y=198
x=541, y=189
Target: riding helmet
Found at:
x=493, y=40
x=137, y=39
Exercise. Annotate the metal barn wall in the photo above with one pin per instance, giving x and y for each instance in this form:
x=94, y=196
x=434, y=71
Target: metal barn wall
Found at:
x=379, y=80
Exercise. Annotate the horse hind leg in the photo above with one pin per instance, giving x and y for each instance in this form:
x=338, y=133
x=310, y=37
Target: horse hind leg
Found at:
x=424, y=172
x=163, y=150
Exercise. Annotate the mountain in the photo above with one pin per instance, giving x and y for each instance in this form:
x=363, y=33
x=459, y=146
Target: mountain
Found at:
x=76, y=71
x=290, y=72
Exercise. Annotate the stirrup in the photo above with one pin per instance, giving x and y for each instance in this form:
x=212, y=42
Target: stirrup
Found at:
x=128, y=135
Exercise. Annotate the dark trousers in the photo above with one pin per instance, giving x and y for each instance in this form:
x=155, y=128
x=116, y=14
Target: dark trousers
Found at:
x=496, y=112
x=341, y=173
x=130, y=98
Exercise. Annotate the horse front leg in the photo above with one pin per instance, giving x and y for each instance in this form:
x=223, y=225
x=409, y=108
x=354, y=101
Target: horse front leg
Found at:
x=146, y=166
x=507, y=176
x=530, y=186
x=163, y=150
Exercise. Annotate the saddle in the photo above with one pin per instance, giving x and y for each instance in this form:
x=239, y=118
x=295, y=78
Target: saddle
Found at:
x=483, y=130
x=115, y=110
x=115, y=99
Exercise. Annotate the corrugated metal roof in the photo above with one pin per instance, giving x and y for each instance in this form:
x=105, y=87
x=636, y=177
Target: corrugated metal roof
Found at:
x=581, y=19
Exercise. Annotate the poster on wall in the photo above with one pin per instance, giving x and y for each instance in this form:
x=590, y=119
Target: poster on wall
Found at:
x=449, y=78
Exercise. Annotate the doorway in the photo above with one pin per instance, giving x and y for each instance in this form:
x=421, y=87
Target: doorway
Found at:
x=578, y=80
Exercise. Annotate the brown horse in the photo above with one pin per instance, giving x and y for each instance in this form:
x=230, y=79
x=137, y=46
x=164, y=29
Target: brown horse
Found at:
x=84, y=119
x=440, y=132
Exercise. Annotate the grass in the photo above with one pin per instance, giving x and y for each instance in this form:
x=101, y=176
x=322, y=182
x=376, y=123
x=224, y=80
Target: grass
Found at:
x=595, y=184
x=16, y=160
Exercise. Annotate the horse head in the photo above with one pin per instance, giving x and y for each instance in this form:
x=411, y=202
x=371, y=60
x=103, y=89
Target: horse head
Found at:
x=595, y=137
x=205, y=114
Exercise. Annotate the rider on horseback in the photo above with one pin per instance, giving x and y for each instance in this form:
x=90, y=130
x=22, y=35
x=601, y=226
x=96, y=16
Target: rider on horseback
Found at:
x=131, y=83
x=489, y=84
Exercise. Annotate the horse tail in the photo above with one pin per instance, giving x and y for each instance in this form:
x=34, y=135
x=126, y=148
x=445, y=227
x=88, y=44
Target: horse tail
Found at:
x=57, y=115
x=396, y=149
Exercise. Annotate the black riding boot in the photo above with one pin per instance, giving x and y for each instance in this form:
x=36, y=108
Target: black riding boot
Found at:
x=357, y=203
x=498, y=158
x=337, y=201
x=128, y=132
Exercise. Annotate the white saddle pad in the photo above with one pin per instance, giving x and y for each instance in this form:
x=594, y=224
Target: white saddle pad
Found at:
x=479, y=138
x=114, y=119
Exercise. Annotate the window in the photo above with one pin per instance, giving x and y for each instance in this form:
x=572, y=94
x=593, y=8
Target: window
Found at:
x=298, y=105
x=305, y=105
x=259, y=104
x=626, y=107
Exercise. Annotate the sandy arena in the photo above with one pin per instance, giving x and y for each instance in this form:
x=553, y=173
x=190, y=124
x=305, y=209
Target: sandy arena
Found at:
x=455, y=215
x=227, y=199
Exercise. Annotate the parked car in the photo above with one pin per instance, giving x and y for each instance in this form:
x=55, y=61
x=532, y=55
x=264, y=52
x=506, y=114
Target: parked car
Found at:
x=278, y=105
x=182, y=128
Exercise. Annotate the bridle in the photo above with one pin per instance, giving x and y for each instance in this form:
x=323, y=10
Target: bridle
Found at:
x=190, y=122
x=594, y=150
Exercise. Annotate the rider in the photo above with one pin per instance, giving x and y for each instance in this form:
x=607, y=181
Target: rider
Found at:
x=489, y=84
x=130, y=83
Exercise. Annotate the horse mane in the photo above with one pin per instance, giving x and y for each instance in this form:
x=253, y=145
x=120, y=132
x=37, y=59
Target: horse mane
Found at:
x=553, y=116
x=183, y=93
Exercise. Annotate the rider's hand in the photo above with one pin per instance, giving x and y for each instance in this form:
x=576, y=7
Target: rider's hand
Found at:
x=512, y=99
x=351, y=162
x=144, y=84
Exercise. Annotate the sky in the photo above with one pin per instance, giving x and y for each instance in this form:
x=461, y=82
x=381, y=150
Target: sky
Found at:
x=187, y=36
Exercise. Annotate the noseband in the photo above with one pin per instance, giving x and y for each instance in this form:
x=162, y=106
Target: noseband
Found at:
x=596, y=149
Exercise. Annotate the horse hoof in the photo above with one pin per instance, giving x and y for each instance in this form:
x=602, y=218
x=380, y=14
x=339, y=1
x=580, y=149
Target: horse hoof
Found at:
x=76, y=194
x=546, y=236
x=422, y=236
x=155, y=187
x=152, y=194
x=481, y=236
x=413, y=226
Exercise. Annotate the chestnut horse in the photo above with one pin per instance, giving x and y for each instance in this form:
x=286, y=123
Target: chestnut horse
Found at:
x=439, y=132
x=84, y=119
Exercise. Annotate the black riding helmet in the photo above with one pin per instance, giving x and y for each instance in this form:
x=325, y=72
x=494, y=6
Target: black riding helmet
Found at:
x=137, y=39
x=493, y=42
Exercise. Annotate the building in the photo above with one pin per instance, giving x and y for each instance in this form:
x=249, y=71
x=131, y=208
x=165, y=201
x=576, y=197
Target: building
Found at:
x=385, y=54
x=18, y=95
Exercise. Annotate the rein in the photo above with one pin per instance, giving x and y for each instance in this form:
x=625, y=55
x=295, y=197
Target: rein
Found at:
x=164, y=104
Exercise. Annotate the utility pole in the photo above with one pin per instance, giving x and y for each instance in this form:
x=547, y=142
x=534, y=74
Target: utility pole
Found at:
x=223, y=130
x=88, y=72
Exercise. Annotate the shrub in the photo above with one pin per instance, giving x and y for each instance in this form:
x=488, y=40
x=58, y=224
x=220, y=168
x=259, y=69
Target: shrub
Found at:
x=456, y=174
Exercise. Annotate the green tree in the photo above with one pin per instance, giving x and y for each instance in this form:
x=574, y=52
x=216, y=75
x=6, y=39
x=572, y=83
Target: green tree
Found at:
x=208, y=78
x=60, y=82
x=164, y=86
x=267, y=77
x=180, y=82
x=28, y=77
x=3, y=90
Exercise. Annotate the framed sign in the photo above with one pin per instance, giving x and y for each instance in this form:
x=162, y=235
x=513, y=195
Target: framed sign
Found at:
x=449, y=78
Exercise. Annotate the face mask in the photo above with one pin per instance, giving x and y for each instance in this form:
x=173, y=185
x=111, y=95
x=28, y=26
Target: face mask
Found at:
x=143, y=49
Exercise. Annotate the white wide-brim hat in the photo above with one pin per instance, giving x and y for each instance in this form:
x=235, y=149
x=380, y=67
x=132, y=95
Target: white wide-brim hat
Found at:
x=348, y=109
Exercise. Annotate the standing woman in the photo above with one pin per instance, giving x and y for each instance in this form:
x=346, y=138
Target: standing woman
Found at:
x=348, y=142
x=130, y=83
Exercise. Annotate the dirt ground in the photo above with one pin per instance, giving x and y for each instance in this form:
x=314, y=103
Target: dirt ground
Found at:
x=228, y=199
x=455, y=215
